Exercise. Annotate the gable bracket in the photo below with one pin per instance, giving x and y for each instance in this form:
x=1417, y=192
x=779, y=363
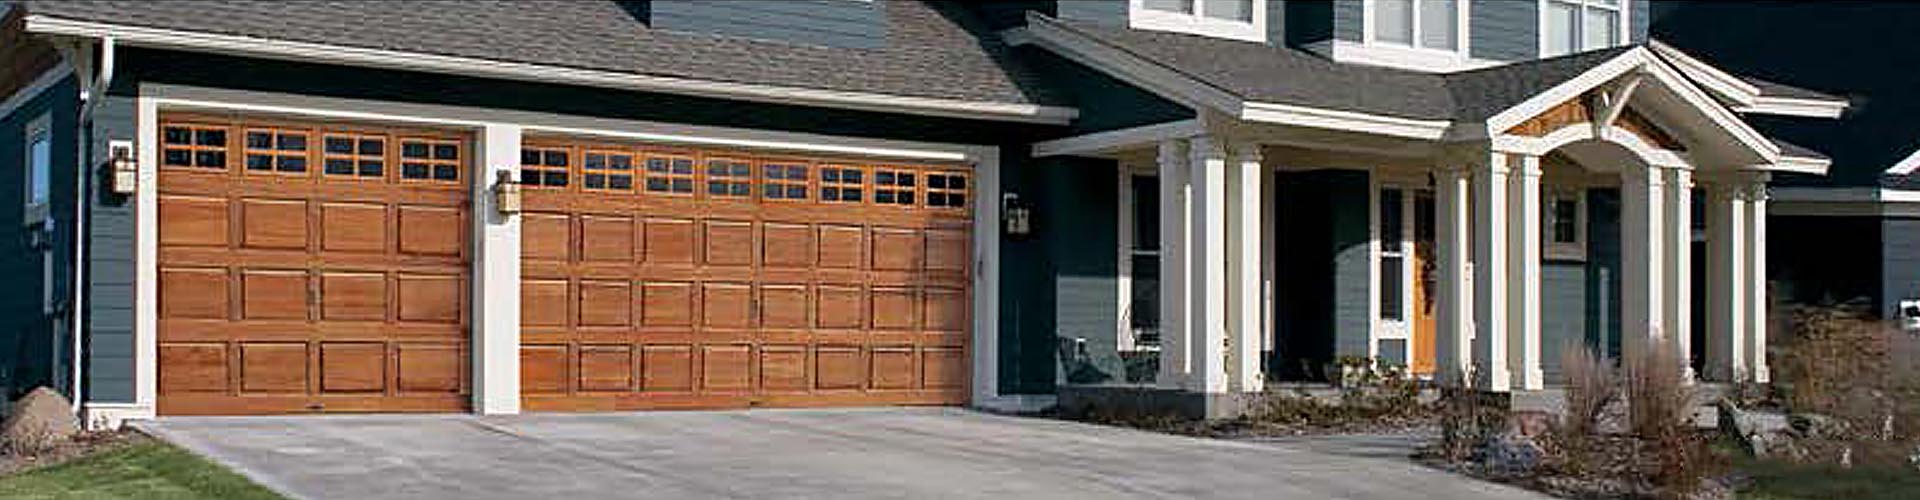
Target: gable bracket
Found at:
x=1613, y=101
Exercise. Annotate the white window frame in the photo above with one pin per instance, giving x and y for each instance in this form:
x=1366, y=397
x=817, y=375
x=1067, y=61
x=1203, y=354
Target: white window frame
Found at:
x=1126, y=339
x=1197, y=22
x=36, y=211
x=1575, y=250
x=1414, y=48
x=1622, y=11
x=1386, y=328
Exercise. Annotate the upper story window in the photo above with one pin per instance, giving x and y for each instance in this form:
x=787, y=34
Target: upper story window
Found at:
x=1235, y=19
x=1569, y=26
x=39, y=174
x=1426, y=24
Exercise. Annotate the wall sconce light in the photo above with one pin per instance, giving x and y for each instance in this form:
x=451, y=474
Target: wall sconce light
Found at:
x=124, y=171
x=506, y=193
x=1016, y=216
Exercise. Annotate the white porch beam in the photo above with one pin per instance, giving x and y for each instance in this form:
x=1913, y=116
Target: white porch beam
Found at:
x=1523, y=275
x=496, y=278
x=1726, y=278
x=1678, y=274
x=1756, y=320
x=1207, y=281
x=1246, y=268
x=1455, y=316
x=1642, y=258
x=1490, y=273
x=1175, y=262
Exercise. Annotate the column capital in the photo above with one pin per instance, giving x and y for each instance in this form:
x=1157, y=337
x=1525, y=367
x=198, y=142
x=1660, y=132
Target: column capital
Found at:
x=1526, y=165
x=1648, y=175
x=1247, y=151
x=1172, y=151
x=1207, y=145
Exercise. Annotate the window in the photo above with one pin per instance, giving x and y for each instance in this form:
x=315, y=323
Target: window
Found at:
x=729, y=177
x=1393, y=254
x=39, y=171
x=606, y=171
x=196, y=146
x=893, y=187
x=1563, y=224
x=430, y=159
x=272, y=150
x=841, y=184
x=1570, y=26
x=544, y=167
x=1143, y=254
x=1235, y=19
x=784, y=181
x=354, y=155
x=670, y=174
x=946, y=190
x=1434, y=24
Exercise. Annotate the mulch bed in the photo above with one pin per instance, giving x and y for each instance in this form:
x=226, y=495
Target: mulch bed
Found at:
x=84, y=444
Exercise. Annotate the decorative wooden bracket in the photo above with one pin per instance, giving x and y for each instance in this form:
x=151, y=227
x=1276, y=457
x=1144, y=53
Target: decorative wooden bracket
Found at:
x=1611, y=102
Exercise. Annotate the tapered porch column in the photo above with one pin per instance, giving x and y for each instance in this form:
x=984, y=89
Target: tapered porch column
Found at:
x=1756, y=321
x=1727, y=270
x=1246, y=310
x=1455, y=314
x=1523, y=275
x=1174, y=264
x=1678, y=288
x=1642, y=233
x=1490, y=274
x=1207, y=279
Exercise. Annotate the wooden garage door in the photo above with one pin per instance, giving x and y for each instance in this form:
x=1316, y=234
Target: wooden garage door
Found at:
x=671, y=278
x=311, y=267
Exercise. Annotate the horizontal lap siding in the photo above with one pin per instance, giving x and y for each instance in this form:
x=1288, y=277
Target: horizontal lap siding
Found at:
x=35, y=349
x=1504, y=30
x=110, y=269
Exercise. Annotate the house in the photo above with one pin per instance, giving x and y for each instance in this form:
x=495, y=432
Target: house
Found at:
x=1866, y=207
x=256, y=208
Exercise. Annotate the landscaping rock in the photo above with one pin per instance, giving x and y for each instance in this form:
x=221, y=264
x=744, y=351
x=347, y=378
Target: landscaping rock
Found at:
x=1814, y=425
x=40, y=420
x=1510, y=455
x=1762, y=432
x=1529, y=423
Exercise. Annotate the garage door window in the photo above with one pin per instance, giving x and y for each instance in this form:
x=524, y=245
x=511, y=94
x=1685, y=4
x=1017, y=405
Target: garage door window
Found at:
x=841, y=184
x=946, y=190
x=607, y=171
x=430, y=160
x=355, y=155
x=893, y=187
x=195, y=146
x=544, y=167
x=729, y=178
x=670, y=174
x=784, y=181
x=271, y=150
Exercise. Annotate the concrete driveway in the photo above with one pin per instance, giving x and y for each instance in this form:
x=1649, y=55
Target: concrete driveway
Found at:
x=876, y=453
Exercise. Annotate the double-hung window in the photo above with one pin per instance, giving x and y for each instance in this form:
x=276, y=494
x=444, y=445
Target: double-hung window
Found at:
x=1563, y=224
x=1569, y=26
x=1426, y=24
x=1141, y=248
x=1235, y=19
x=39, y=169
x=1393, y=253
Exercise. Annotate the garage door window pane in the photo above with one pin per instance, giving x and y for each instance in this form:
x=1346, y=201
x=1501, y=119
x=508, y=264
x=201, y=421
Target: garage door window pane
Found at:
x=841, y=185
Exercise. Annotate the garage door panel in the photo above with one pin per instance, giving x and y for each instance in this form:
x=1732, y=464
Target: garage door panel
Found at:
x=945, y=309
x=787, y=246
x=194, y=221
x=273, y=224
x=267, y=367
x=606, y=368
x=724, y=368
x=897, y=249
x=545, y=236
x=947, y=251
x=783, y=306
x=841, y=246
x=273, y=294
x=840, y=307
x=729, y=243
x=893, y=367
x=893, y=308
x=193, y=293
x=198, y=368
x=431, y=368
x=605, y=238
x=667, y=368
x=606, y=303
x=353, y=227
x=783, y=367
x=543, y=369
x=839, y=367
x=667, y=304
x=944, y=367
x=543, y=302
x=727, y=305
x=353, y=367
x=353, y=296
x=430, y=298
x=670, y=242
x=431, y=231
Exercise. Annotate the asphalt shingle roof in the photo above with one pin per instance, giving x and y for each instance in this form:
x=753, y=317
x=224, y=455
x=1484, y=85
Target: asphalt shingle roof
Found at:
x=932, y=52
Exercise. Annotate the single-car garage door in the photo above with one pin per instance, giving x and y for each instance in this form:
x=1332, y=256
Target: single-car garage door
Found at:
x=310, y=267
x=658, y=277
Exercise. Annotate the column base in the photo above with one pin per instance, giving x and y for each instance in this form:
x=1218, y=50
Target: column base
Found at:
x=1154, y=402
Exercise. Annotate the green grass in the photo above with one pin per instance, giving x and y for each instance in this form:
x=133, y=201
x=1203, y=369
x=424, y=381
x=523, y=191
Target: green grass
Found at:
x=143, y=470
x=1780, y=481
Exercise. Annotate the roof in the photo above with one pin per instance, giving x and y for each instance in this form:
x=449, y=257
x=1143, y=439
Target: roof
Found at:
x=932, y=53
x=1266, y=73
x=1797, y=151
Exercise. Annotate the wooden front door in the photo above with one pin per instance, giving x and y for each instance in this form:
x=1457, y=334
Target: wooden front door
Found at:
x=1425, y=329
x=310, y=267
x=679, y=278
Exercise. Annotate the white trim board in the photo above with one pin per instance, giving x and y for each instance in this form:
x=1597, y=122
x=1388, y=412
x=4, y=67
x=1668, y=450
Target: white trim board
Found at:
x=414, y=61
x=1906, y=165
x=1198, y=23
x=154, y=98
x=1742, y=96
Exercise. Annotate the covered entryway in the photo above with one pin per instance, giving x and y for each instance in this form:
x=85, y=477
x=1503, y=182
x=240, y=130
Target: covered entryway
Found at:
x=660, y=277
x=310, y=267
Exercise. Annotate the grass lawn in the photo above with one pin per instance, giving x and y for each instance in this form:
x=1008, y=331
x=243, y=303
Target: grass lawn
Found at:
x=144, y=469
x=1773, y=480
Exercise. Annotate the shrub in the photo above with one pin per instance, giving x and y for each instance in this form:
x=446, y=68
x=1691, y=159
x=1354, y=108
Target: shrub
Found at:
x=1592, y=384
x=1660, y=412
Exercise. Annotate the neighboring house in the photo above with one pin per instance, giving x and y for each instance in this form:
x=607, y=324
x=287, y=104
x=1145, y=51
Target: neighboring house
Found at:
x=1856, y=231
x=593, y=205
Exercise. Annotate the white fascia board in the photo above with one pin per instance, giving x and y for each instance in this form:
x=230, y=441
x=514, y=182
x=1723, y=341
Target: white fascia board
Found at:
x=414, y=61
x=1801, y=164
x=1572, y=88
x=1302, y=116
x=1112, y=140
x=1906, y=165
x=1792, y=106
x=1843, y=195
x=1723, y=85
x=1720, y=115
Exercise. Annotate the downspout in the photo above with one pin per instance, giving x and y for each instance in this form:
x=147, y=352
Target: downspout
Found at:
x=90, y=97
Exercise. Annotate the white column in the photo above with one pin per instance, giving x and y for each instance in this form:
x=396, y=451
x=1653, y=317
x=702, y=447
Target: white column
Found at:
x=1207, y=323
x=1268, y=266
x=1678, y=274
x=1641, y=258
x=1726, y=282
x=1455, y=315
x=496, y=279
x=1523, y=276
x=1756, y=341
x=1246, y=308
x=1490, y=274
x=1174, y=264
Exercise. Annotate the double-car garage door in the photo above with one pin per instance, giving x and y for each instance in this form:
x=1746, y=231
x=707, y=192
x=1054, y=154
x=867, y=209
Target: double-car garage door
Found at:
x=308, y=266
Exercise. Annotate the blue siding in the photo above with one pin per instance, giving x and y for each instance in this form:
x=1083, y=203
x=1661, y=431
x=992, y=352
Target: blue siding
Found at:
x=1900, y=262
x=1563, y=311
x=110, y=269
x=1347, y=16
x=835, y=23
x=1639, y=19
x=1061, y=285
x=1504, y=30
x=1105, y=103
x=1350, y=213
x=35, y=346
x=1098, y=11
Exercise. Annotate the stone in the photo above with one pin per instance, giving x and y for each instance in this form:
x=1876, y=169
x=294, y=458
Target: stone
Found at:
x=1814, y=425
x=1529, y=423
x=1510, y=454
x=40, y=420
